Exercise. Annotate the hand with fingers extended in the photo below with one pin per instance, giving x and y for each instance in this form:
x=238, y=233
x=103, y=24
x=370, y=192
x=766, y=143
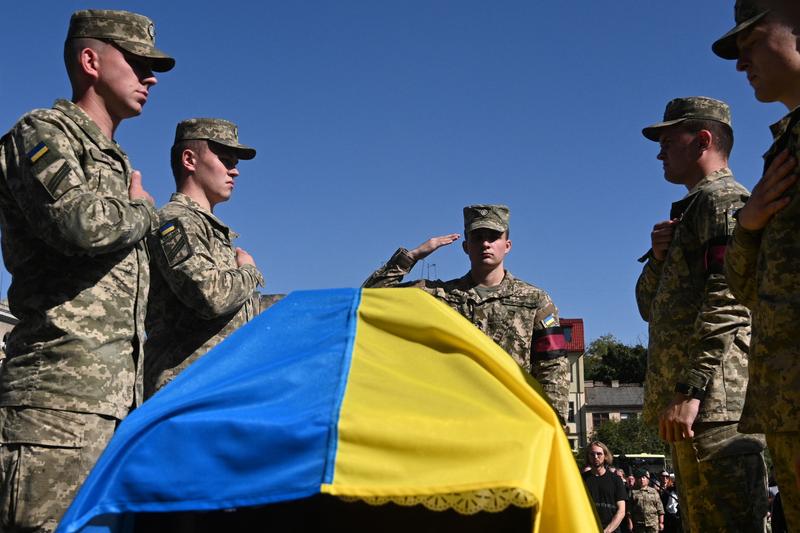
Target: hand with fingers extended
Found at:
x=767, y=197
x=661, y=237
x=431, y=245
x=136, y=190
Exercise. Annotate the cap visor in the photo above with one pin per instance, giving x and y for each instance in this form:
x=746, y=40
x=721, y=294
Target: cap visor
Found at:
x=725, y=47
x=654, y=132
x=159, y=61
x=242, y=152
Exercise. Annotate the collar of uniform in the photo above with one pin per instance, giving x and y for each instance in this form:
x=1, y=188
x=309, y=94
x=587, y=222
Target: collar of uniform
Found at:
x=184, y=199
x=779, y=128
x=468, y=284
x=714, y=176
x=79, y=117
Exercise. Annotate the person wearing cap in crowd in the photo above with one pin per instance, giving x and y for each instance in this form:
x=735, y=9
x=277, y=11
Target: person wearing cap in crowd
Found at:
x=518, y=316
x=698, y=333
x=645, y=511
x=763, y=260
x=606, y=489
x=75, y=216
x=669, y=499
x=203, y=287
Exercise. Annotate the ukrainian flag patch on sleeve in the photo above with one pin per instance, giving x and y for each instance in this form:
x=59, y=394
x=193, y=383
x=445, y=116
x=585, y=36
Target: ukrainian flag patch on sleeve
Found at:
x=38, y=151
x=549, y=321
x=174, y=242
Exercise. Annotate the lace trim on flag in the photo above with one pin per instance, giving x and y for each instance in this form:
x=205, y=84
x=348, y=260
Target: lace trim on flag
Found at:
x=491, y=500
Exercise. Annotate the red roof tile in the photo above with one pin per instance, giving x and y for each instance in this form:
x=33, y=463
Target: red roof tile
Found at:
x=575, y=342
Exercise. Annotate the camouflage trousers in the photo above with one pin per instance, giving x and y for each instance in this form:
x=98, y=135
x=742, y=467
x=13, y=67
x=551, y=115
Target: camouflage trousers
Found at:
x=44, y=457
x=783, y=448
x=721, y=479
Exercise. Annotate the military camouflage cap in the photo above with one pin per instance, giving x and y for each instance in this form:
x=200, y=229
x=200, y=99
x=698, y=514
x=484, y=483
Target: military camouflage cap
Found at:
x=693, y=107
x=746, y=13
x=132, y=32
x=494, y=217
x=213, y=129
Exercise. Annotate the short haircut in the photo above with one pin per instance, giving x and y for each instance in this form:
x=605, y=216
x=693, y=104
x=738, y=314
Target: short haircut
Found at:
x=608, y=459
x=175, y=155
x=722, y=133
x=73, y=47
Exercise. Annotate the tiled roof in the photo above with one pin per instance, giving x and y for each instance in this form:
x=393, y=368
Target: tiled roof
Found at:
x=575, y=342
x=624, y=395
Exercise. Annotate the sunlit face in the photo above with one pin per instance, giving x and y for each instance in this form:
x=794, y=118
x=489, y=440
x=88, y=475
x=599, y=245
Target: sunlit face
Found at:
x=679, y=154
x=596, y=456
x=215, y=172
x=124, y=82
x=768, y=55
x=486, y=248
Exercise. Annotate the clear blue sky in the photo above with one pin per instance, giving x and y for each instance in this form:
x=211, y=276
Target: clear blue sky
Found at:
x=376, y=122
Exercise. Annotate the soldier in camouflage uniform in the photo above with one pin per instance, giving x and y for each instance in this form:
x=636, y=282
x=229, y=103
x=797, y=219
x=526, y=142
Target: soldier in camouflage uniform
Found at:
x=520, y=317
x=763, y=260
x=645, y=510
x=698, y=333
x=203, y=288
x=74, y=218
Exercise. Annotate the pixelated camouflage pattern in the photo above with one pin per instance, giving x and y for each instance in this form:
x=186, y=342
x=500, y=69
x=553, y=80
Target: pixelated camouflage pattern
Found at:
x=763, y=270
x=196, y=303
x=508, y=315
x=493, y=217
x=130, y=31
x=73, y=243
x=692, y=107
x=783, y=448
x=722, y=480
x=645, y=506
x=698, y=332
x=213, y=129
x=44, y=457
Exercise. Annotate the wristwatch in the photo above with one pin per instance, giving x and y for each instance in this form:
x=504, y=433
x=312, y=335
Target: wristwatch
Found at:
x=691, y=391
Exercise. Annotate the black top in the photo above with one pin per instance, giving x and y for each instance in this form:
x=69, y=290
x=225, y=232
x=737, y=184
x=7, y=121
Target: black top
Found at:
x=606, y=491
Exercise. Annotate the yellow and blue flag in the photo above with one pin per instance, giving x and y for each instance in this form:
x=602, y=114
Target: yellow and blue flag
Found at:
x=371, y=394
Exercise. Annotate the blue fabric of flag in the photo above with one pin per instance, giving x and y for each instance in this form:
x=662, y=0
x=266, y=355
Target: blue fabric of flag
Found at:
x=249, y=429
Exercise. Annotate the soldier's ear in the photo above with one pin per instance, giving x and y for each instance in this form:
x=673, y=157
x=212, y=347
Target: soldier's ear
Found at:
x=188, y=159
x=508, y=245
x=464, y=246
x=89, y=62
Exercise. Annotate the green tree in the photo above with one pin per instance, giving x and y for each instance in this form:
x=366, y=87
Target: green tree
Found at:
x=608, y=359
x=630, y=436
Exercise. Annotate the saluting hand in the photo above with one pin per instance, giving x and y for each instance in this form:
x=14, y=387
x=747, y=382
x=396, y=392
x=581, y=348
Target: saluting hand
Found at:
x=431, y=245
x=136, y=190
x=661, y=237
x=767, y=199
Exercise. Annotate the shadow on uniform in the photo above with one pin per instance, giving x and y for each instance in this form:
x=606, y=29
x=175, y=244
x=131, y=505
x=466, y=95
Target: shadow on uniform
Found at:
x=328, y=513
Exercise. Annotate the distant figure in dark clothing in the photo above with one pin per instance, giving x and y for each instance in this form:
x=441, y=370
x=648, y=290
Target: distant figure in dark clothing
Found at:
x=605, y=488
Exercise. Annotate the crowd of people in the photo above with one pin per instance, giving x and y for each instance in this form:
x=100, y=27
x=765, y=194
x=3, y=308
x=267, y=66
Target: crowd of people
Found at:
x=115, y=298
x=638, y=500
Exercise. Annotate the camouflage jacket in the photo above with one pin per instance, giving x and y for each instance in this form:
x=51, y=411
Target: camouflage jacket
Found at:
x=73, y=243
x=698, y=334
x=519, y=317
x=763, y=269
x=645, y=506
x=199, y=295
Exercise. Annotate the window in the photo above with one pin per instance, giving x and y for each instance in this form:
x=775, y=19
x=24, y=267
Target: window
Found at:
x=567, y=333
x=573, y=443
x=625, y=416
x=598, y=419
x=571, y=415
